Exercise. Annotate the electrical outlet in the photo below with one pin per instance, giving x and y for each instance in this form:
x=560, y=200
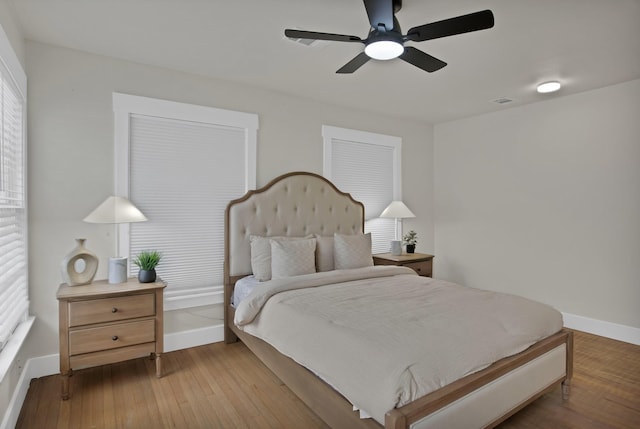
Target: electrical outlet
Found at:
x=19, y=365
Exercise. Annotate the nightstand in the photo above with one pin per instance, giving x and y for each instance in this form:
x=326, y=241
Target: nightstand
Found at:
x=102, y=323
x=420, y=262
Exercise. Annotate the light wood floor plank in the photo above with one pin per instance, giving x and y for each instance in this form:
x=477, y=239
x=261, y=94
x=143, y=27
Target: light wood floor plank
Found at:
x=226, y=386
x=108, y=404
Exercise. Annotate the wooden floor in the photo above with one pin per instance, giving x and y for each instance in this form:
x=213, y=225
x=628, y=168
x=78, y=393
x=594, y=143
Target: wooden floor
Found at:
x=225, y=386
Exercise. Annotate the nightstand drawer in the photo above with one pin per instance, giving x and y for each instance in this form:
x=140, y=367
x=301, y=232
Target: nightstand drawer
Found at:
x=111, y=336
x=423, y=268
x=111, y=309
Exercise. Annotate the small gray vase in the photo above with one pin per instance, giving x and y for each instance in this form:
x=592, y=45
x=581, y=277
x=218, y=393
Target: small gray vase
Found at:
x=147, y=276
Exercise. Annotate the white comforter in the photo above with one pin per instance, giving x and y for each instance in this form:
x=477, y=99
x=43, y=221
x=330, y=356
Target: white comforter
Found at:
x=383, y=336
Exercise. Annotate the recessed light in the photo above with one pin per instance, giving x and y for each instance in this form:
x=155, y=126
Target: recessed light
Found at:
x=547, y=87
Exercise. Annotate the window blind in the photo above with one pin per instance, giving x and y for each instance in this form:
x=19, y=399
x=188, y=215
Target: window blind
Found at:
x=14, y=302
x=367, y=171
x=182, y=175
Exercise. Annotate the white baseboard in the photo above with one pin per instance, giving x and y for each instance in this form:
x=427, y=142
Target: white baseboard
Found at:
x=628, y=334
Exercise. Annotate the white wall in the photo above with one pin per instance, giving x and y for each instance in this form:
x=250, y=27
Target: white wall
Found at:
x=544, y=201
x=71, y=155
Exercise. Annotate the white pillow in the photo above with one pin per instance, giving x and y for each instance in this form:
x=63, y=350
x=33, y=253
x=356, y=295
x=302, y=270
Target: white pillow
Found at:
x=261, y=255
x=352, y=251
x=292, y=257
x=324, y=253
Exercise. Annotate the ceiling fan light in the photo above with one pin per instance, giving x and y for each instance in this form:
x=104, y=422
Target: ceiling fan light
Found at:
x=384, y=49
x=547, y=87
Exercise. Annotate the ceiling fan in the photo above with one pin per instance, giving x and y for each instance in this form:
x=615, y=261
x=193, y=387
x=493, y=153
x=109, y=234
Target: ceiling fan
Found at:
x=386, y=41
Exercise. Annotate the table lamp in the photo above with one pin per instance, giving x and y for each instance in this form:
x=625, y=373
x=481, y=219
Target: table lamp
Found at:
x=397, y=210
x=116, y=210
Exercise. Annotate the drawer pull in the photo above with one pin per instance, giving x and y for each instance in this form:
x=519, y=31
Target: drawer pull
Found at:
x=418, y=269
x=114, y=310
x=114, y=338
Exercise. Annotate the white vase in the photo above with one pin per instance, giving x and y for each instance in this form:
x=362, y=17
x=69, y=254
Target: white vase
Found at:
x=71, y=264
x=117, y=269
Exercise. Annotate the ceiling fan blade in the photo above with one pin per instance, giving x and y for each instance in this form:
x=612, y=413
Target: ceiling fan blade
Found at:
x=380, y=12
x=302, y=34
x=354, y=64
x=452, y=26
x=421, y=60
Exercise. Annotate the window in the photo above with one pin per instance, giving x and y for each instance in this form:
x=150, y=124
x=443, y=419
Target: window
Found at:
x=14, y=301
x=180, y=165
x=367, y=165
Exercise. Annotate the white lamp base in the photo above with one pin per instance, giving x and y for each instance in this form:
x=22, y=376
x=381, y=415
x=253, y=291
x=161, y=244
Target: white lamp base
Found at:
x=117, y=269
x=396, y=247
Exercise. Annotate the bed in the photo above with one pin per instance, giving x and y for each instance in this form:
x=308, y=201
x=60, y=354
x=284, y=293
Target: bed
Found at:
x=301, y=214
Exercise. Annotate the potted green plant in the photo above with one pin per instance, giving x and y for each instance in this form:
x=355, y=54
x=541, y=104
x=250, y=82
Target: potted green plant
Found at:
x=147, y=260
x=410, y=239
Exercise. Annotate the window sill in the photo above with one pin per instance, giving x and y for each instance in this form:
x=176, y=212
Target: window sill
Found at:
x=10, y=351
x=197, y=297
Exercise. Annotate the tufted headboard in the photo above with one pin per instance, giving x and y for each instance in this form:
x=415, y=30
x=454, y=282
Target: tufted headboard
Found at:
x=294, y=204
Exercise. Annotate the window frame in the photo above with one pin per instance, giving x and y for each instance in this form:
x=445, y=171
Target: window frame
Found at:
x=124, y=106
x=330, y=134
x=18, y=334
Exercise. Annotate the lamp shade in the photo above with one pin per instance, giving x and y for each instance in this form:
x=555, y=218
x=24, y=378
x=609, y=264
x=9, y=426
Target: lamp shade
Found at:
x=115, y=210
x=398, y=210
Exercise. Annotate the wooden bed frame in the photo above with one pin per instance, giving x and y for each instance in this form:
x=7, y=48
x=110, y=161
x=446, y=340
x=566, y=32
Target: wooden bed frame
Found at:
x=467, y=397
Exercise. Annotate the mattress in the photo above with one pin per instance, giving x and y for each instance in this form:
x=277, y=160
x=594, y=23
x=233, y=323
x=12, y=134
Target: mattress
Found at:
x=383, y=336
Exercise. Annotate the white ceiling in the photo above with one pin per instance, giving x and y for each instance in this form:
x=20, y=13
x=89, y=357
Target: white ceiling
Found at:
x=585, y=44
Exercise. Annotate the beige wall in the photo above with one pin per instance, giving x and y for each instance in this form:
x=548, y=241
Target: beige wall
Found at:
x=71, y=154
x=544, y=201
